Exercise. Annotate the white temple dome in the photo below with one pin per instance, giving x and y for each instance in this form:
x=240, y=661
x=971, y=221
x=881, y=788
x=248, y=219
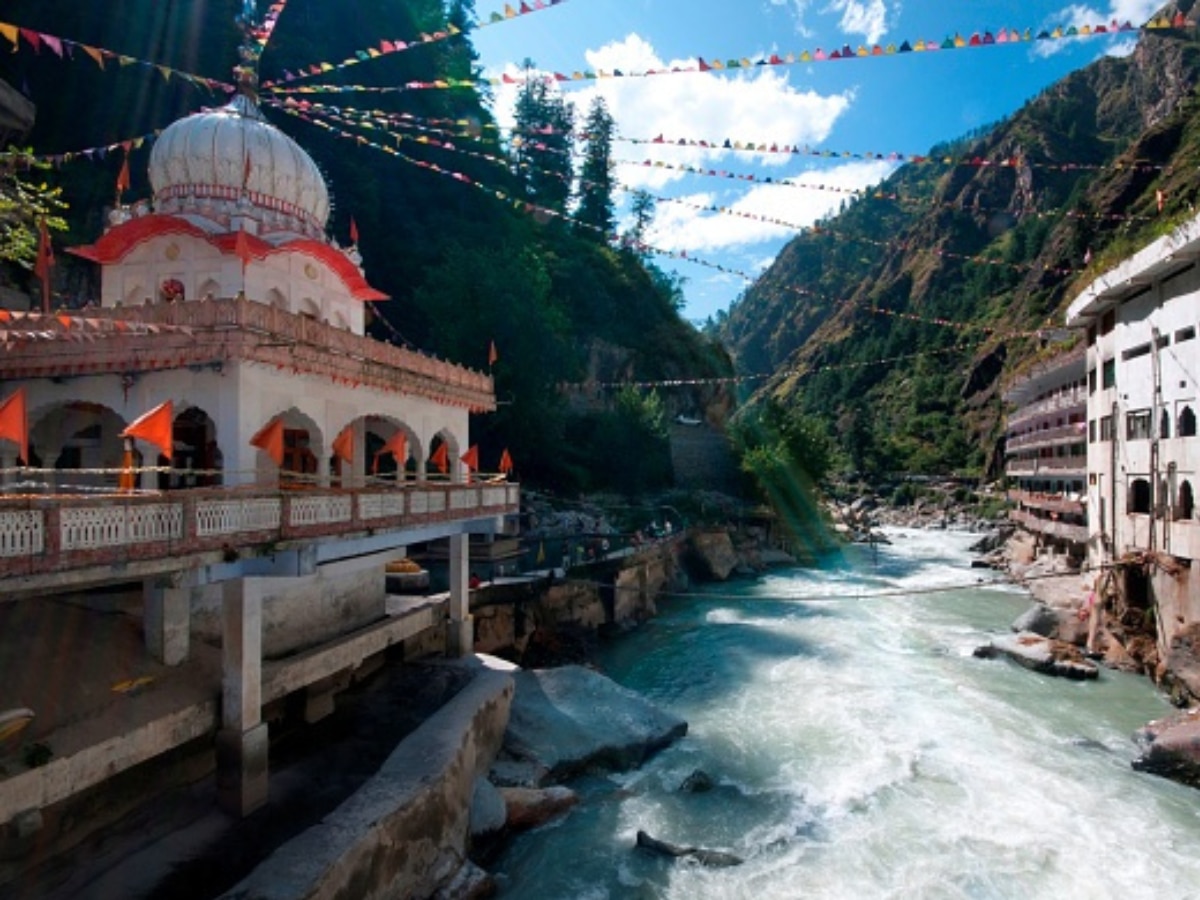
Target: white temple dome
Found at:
x=232, y=161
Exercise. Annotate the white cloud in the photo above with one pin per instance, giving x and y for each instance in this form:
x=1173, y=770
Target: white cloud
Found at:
x=756, y=105
x=680, y=226
x=867, y=19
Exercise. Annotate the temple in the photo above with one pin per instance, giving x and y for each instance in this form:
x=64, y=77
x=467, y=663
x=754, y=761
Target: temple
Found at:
x=217, y=450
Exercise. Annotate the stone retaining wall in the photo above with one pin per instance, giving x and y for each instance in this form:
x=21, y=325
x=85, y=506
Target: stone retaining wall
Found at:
x=404, y=833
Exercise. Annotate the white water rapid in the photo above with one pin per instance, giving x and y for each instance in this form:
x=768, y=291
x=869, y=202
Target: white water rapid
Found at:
x=859, y=750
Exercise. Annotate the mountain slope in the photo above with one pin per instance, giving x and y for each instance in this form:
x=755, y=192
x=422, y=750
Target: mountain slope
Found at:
x=897, y=321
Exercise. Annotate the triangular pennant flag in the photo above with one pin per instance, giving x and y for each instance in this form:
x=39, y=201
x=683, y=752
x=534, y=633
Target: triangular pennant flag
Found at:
x=506, y=463
x=493, y=356
x=155, y=427
x=397, y=445
x=14, y=422
x=441, y=458
x=353, y=231
x=241, y=247
x=270, y=439
x=9, y=32
x=343, y=445
x=123, y=176
x=470, y=459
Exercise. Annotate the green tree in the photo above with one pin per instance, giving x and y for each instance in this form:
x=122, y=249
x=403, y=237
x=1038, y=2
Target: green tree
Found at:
x=25, y=201
x=643, y=208
x=543, y=142
x=596, y=175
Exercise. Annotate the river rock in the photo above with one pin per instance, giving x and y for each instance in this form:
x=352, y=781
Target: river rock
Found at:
x=712, y=858
x=1183, y=664
x=713, y=554
x=564, y=721
x=488, y=812
x=1041, y=654
x=1039, y=619
x=699, y=782
x=530, y=807
x=1172, y=748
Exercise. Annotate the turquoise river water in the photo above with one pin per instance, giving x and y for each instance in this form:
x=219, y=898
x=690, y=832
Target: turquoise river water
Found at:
x=859, y=750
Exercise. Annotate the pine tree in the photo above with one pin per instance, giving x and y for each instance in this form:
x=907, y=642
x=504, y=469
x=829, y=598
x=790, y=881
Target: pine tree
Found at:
x=543, y=142
x=596, y=178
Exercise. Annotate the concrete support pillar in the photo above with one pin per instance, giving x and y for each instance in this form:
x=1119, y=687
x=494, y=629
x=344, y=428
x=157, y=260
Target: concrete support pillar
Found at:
x=242, y=772
x=167, y=620
x=460, y=637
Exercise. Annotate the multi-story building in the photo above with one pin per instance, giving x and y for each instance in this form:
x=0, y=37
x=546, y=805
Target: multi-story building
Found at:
x=1046, y=453
x=1143, y=382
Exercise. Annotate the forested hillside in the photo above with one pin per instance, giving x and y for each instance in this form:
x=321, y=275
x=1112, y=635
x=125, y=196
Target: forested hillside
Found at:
x=478, y=244
x=897, y=322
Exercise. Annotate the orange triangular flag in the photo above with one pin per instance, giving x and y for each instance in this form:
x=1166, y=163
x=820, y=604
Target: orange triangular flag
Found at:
x=270, y=440
x=492, y=354
x=123, y=177
x=441, y=458
x=470, y=459
x=397, y=445
x=506, y=463
x=241, y=247
x=343, y=445
x=14, y=423
x=155, y=427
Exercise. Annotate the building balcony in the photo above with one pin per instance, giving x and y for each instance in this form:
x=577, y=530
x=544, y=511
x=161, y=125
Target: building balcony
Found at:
x=1067, y=402
x=60, y=541
x=1050, y=528
x=1059, y=465
x=1051, y=503
x=212, y=333
x=1049, y=437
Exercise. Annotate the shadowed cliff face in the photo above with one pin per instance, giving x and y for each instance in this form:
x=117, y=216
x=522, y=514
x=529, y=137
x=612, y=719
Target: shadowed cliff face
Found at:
x=909, y=310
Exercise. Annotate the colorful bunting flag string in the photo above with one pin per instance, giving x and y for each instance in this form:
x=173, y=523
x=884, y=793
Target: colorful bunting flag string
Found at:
x=641, y=247
x=371, y=119
x=64, y=48
x=100, y=152
x=957, y=42
x=723, y=210
x=387, y=47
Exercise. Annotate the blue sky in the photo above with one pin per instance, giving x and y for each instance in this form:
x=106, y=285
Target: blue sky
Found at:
x=903, y=103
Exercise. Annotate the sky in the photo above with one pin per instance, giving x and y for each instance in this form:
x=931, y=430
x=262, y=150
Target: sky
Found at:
x=902, y=103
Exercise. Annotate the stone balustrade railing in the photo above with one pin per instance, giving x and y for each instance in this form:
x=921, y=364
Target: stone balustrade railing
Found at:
x=41, y=534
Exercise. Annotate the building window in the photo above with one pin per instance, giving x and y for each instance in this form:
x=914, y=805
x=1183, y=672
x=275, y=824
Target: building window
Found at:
x=1091, y=381
x=1164, y=425
x=1185, y=334
x=1106, y=428
x=1139, y=496
x=1187, y=423
x=1092, y=431
x=1137, y=425
x=1109, y=373
x=1187, y=501
x=1107, y=321
x=1135, y=352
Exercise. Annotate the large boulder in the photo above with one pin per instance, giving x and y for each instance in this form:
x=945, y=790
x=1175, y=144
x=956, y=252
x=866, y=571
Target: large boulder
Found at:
x=1171, y=748
x=1183, y=664
x=712, y=554
x=1041, y=654
x=567, y=720
x=1039, y=619
x=530, y=807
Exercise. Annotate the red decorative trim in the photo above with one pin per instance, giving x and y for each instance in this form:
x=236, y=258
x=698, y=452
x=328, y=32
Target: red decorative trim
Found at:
x=120, y=241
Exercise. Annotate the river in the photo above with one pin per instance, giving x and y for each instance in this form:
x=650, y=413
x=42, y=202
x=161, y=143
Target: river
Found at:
x=859, y=750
